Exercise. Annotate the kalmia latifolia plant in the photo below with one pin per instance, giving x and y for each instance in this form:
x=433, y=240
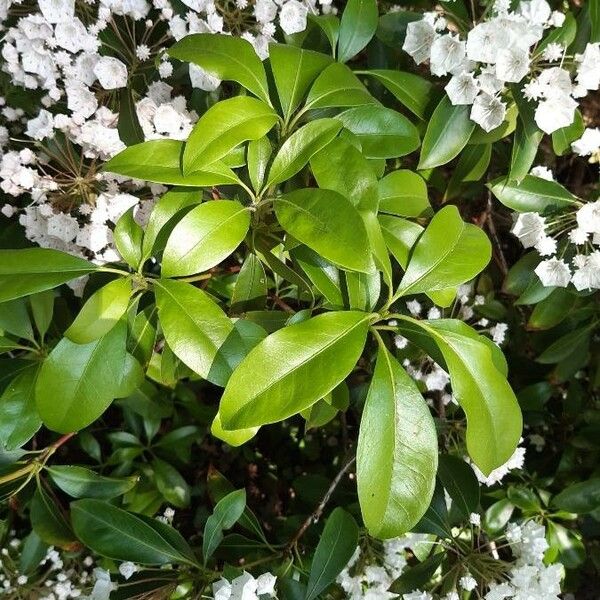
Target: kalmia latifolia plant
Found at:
x=276, y=369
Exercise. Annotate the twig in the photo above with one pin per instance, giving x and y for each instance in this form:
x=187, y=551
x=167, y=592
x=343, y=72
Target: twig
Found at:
x=316, y=514
x=494, y=234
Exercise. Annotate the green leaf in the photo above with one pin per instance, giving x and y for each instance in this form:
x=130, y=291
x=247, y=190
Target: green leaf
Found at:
x=171, y=484
x=357, y=27
x=471, y=166
x=257, y=158
x=128, y=126
x=566, y=345
x=101, y=312
x=328, y=223
x=329, y=25
x=204, y=237
x=298, y=149
x=532, y=194
x=335, y=548
x=337, y=86
x=382, y=132
x=250, y=290
x=49, y=522
x=194, y=326
x=31, y=270
x=320, y=353
x=594, y=13
x=324, y=275
x=19, y=419
x=223, y=127
x=77, y=382
x=527, y=138
x=581, y=497
x=410, y=90
x=79, y=482
x=417, y=576
x=341, y=167
x=160, y=161
x=552, y=310
x=294, y=70
x=226, y=57
x=494, y=419
x=234, y=438
x=163, y=218
x=225, y=515
x=363, y=290
x=403, y=193
x=498, y=515
x=448, y=132
x=33, y=552
x=15, y=319
x=128, y=237
x=42, y=308
x=449, y=253
x=397, y=451
x=563, y=138
x=319, y=414
x=121, y=535
x=462, y=486
x=400, y=236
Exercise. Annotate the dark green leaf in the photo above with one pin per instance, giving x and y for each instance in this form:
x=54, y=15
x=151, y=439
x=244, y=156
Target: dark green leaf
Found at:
x=357, y=27
x=80, y=482
x=226, y=514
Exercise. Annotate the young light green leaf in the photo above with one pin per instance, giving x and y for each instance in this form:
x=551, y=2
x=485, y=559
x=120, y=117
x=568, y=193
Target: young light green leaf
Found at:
x=336, y=546
x=226, y=514
x=31, y=270
x=397, y=451
x=79, y=482
x=449, y=253
x=382, y=132
x=234, y=438
x=403, y=193
x=128, y=237
x=324, y=275
x=448, y=132
x=357, y=27
x=223, y=127
x=294, y=70
x=328, y=223
x=77, y=382
x=121, y=535
x=194, y=326
x=204, y=237
x=42, y=309
x=337, y=86
x=257, y=158
x=412, y=91
x=226, y=57
x=363, y=290
x=101, y=312
x=160, y=161
x=531, y=194
x=250, y=290
x=400, y=235
x=256, y=395
x=298, y=149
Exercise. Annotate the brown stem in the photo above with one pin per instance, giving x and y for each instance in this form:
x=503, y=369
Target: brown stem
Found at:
x=495, y=239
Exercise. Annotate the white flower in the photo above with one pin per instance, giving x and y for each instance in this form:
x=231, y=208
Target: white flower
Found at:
x=512, y=64
x=553, y=272
x=516, y=461
x=588, y=217
x=127, y=569
x=265, y=11
x=420, y=36
x=557, y=18
x=588, y=69
x=41, y=127
x=56, y=11
x=475, y=519
x=553, y=52
x=467, y=583
x=71, y=35
x=542, y=172
x=81, y=100
x=555, y=113
x=578, y=236
x=462, y=89
x=165, y=69
x=447, y=53
x=498, y=333
x=292, y=17
x=400, y=342
x=203, y=80
x=265, y=584
x=535, y=11
x=221, y=589
x=588, y=143
x=555, y=82
x=484, y=41
x=142, y=52
x=488, y=112
x=111, y=73
x=414, y=307
x=546, y=246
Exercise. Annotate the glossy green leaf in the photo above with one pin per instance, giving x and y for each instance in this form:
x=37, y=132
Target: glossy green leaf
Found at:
x=342, y=167
x=204, y=237
x=532, y=194
x=257, y=158
x=79, y=482
x=335, y=548
x=77, y=382
x=24, y=272
x=128, y=126
x=226, y=57
x=15, y=319
x=527, y=137
x=337, y=86
x=400, y=236
x=330, y=26
x=121, y=535
x=363, y=290
x=128, y=237
x=594, y=16
x=561, y=348
x=552, y=310
x=319, y=414
x=324, y=275
x=42, y=309
x=403, y=193
x=234, y=438
x=382, y=132
x=194, y=326
x=448, y=132
x=298, y=149
x=357, y=27
x=461, y=484
x=563, y=138
x=449, y=253
x=294, y=71
x=49, y=522
x=320, y=353
x=223, y=127
x=160, y=161
x=250, y=290
x=171, y=484
x=581, y=497
x=329, y=224
x=225, y=515
x=101, y=312
x=471, y=166
x=412, y=91
x=19, y=419
x=397, y=452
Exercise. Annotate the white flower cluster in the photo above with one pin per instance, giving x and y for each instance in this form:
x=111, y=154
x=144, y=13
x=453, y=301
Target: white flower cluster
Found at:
x=497, y=52
x=579, y=230
x=516, y=461
x=245, y=587
x=588, y=144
